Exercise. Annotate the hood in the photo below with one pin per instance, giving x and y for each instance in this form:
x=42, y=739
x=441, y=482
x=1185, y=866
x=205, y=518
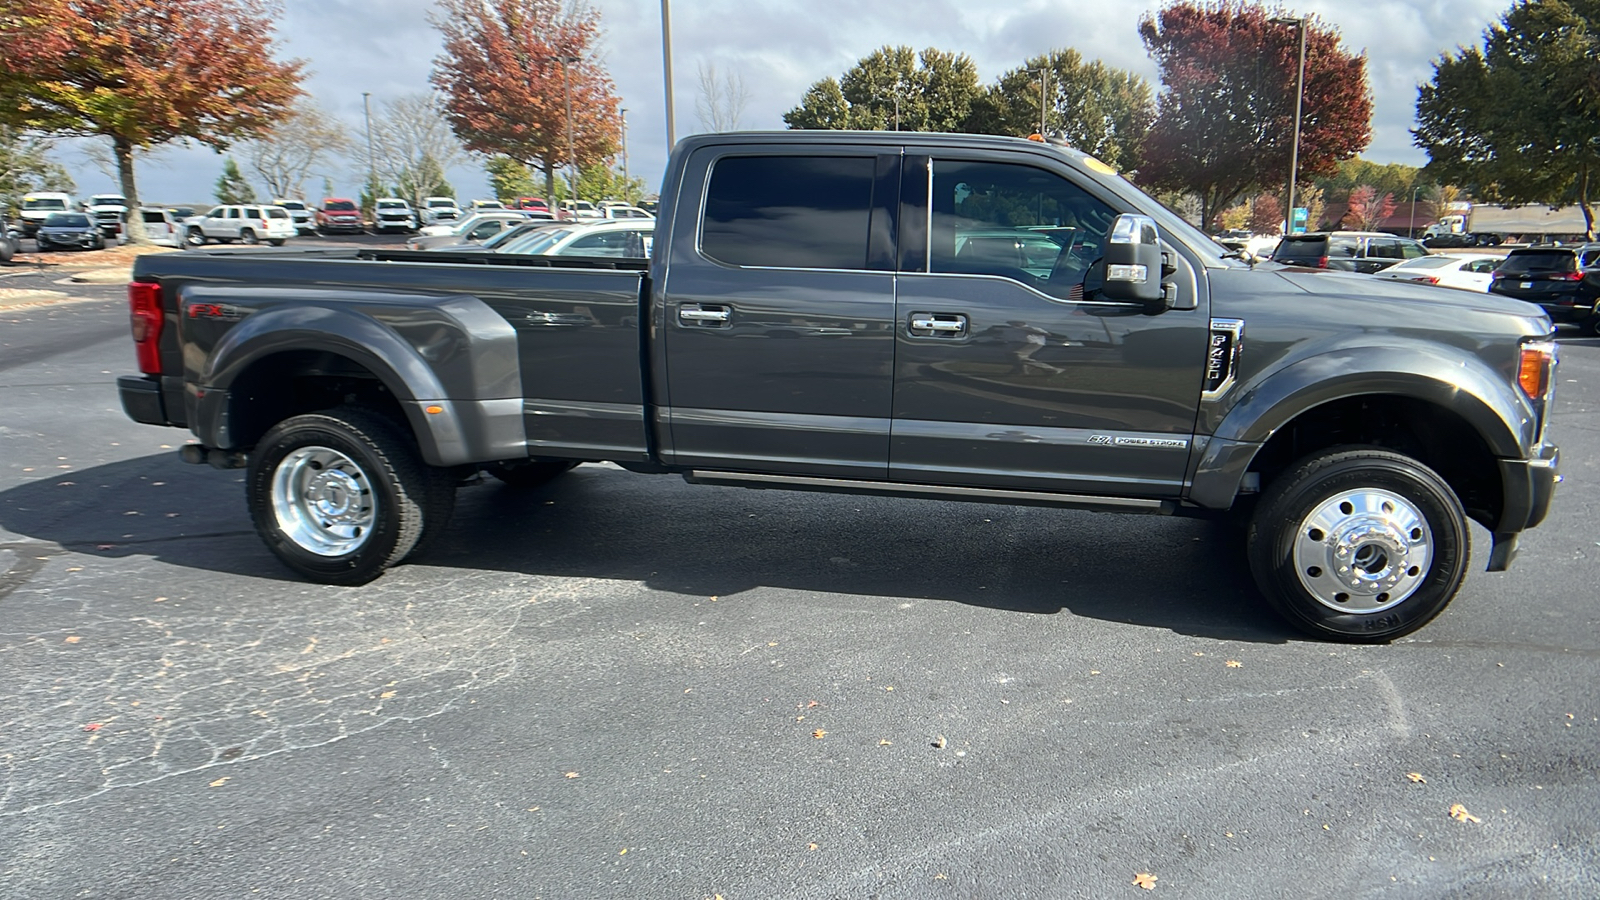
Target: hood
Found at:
x=1334, y=284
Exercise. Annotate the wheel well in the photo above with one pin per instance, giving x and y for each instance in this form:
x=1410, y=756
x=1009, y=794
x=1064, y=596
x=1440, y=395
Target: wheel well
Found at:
x=1435, y=436
x=276, y=387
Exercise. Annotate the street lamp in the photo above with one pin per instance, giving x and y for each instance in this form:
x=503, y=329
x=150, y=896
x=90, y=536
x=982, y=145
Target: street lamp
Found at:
x=566, y=86
x=1044, y=88
x=1299, y=23
x=372, y=167
x=1412, y=231
x=624, y=151
x=666, y=64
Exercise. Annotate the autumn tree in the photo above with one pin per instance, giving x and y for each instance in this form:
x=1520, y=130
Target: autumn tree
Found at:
x=1368, y=208
x=509, y=179
x=302, y=144
x=1518, y=120
x=511, y=71
x=1391, y=178
x=1266, y=214
x=1225, y=118
x=1439, y=200
x=720, y=101
x=142, y=73
x=232, y=187
x=894, y=87
x=1102, y=111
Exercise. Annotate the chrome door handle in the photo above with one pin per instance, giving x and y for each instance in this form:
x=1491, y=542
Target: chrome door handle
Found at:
x=938, y=324
x=695, y=314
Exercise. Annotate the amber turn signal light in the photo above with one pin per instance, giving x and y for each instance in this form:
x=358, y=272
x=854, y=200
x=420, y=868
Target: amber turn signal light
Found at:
x=1534, y=369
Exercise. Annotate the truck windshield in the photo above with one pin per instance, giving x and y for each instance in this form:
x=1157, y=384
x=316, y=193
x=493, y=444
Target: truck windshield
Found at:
x=341, y=206
x=45, y=203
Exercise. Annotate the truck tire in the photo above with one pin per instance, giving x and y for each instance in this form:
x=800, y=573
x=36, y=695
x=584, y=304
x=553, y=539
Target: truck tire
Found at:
x=248, y=237
x=341, y=495
x=1358, y=544
x=531, y=474
x=194, y=237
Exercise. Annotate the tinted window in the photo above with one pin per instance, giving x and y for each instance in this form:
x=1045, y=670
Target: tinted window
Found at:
x=1482, y=266
x=1302, y=248
x=1412, y=250
x=607, y=243
x=1384, y=248
x=341, y=206
x=1538, y=261
x=154, y=216
x=292, y=204
x=534, y=243
x=45, y=203
x=1427, y=262
x=277, y=213
x=67, y=220
x=803, y=212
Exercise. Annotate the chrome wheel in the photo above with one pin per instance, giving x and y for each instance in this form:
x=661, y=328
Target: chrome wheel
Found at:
x=1363, y=551
x=323, y=501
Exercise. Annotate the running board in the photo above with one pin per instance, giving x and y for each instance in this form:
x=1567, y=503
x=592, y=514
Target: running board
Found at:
x=929, y=491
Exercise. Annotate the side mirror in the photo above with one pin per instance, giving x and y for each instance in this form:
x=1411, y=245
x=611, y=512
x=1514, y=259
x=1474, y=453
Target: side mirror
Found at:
x=1133, y=262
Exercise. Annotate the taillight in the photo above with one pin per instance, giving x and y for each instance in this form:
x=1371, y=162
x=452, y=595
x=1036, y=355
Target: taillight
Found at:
x=1534, y=368
x=1567, y=276
x=1322, y=262
x=1429, y=279
x=144, y=305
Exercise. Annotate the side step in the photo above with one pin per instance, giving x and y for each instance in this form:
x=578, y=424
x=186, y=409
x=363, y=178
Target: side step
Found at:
x=929, y=491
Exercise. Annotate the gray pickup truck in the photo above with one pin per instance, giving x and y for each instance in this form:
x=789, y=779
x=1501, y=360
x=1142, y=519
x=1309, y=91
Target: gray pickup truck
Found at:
x=917, y=315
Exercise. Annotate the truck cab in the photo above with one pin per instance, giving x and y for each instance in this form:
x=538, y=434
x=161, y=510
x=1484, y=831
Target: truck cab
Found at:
x=41, y=205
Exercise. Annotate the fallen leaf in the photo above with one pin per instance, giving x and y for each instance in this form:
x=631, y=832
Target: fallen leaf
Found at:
x=889, y=688
x=885, y=742
x=1094, y=671
x=1416, y=778
x=938, y=742
x=811, y=846
x=93, y=726
x=386, y=695
x=819, y=734
x=572, y=775
x=533, y=809
x=1145, y=880
x=941, y=877
x=72, y=639
x=1460, y=814
x=220, y=782
x=814, y=704
x=1233, y=664
x=623, y=852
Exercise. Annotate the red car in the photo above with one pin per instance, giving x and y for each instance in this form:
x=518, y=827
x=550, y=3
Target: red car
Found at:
x=536, y=204
x=338, y=214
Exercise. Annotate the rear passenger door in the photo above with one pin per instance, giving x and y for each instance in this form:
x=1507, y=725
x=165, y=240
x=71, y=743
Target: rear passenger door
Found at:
x=779, y=310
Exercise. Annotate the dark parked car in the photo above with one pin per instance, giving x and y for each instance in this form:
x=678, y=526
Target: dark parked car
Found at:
x=1444, y=241
x=10, y=241
x=1563, y=281
x=70, y=230
x=1352, y=251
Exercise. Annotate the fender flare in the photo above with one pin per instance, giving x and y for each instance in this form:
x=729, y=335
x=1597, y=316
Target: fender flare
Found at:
x=1461, y=383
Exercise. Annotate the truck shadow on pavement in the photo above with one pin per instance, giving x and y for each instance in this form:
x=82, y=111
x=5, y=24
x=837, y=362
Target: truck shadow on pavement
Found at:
x=600, y=522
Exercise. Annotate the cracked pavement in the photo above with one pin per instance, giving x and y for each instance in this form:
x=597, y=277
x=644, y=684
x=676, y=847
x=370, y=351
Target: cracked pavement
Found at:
x=625, y=686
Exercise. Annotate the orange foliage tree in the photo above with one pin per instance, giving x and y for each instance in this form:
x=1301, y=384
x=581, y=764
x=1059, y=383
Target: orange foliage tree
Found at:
x=505, y=91
x=143, y=72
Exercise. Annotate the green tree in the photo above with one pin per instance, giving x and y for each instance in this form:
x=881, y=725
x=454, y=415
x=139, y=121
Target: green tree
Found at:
x=424, y=178
x=232, y=186
x=1518, y=121
x=510, y=179
x=601, y=182
x=1102, y=111
x=1394, y=178
x=26, y=165
x=932, y=91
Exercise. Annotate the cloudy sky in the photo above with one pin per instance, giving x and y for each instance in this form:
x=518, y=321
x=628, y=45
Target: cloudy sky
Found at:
x=780, y=48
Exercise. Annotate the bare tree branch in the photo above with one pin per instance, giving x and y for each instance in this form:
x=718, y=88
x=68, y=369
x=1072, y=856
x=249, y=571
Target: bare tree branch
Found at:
x=721, y=102
x=300, y=146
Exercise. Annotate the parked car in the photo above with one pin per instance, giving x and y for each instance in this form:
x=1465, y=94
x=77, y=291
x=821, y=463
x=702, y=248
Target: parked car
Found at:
x=300, y=213
x=532, y=203
x=65, y=230
x=41, y=205
x=487, y=204
x=473, y=228
x=622, y=239
x=338, y=214
x=109, y=211
x=515, y=232
x=574, y=210
x=1563, y=281
x=1449, y=240
x=162, y=227
x=1352, y=251
x=1468, y=273
x=392, y=214
x=439, y=211
x=624, y=212
x=245, y=224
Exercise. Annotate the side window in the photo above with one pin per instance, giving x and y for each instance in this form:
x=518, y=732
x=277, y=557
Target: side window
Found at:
x=1412, y=250
x=792, y=211
x=485, y=229
x=1483, y=266
x=1384, y=248
x=1346, y=248
x=252, y=212
x=216, y=212
x=233, y=212
x=1015, y=221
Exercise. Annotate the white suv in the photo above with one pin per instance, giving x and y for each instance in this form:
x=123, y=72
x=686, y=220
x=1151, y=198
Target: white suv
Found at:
x=245, y=224
x=392, y=214
x=439, y=210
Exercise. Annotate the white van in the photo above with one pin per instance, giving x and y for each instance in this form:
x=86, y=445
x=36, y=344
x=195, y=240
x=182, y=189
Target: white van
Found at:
x=41, y=205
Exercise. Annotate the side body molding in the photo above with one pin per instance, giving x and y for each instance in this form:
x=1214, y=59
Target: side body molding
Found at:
x=1271, y=399
x=452, y=352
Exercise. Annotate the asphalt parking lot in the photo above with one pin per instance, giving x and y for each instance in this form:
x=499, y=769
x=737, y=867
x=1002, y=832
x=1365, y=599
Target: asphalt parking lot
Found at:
x=626, y=686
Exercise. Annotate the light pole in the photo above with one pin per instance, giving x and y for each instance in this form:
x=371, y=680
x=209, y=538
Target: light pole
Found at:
x=625, y=152
x=372, y=167
x=566, y=86
x=1044, y=89
x=1299, y=97
x=666, y=63
x=1412, y=231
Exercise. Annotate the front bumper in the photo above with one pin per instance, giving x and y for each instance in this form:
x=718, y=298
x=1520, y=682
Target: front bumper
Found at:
x=1529, y=485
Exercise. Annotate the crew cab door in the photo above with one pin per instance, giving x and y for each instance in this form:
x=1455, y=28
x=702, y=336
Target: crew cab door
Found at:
x=777, y=312
x=1010, y=370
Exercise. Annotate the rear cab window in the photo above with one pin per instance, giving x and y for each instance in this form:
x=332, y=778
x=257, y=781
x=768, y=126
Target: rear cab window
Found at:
x=805, y=212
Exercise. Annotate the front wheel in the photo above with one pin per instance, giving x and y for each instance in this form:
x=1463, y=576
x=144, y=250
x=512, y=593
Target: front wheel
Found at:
x=342, y=495
x=276, y=242
x=248, y=237
x=1359, y=544
x=195, y=238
